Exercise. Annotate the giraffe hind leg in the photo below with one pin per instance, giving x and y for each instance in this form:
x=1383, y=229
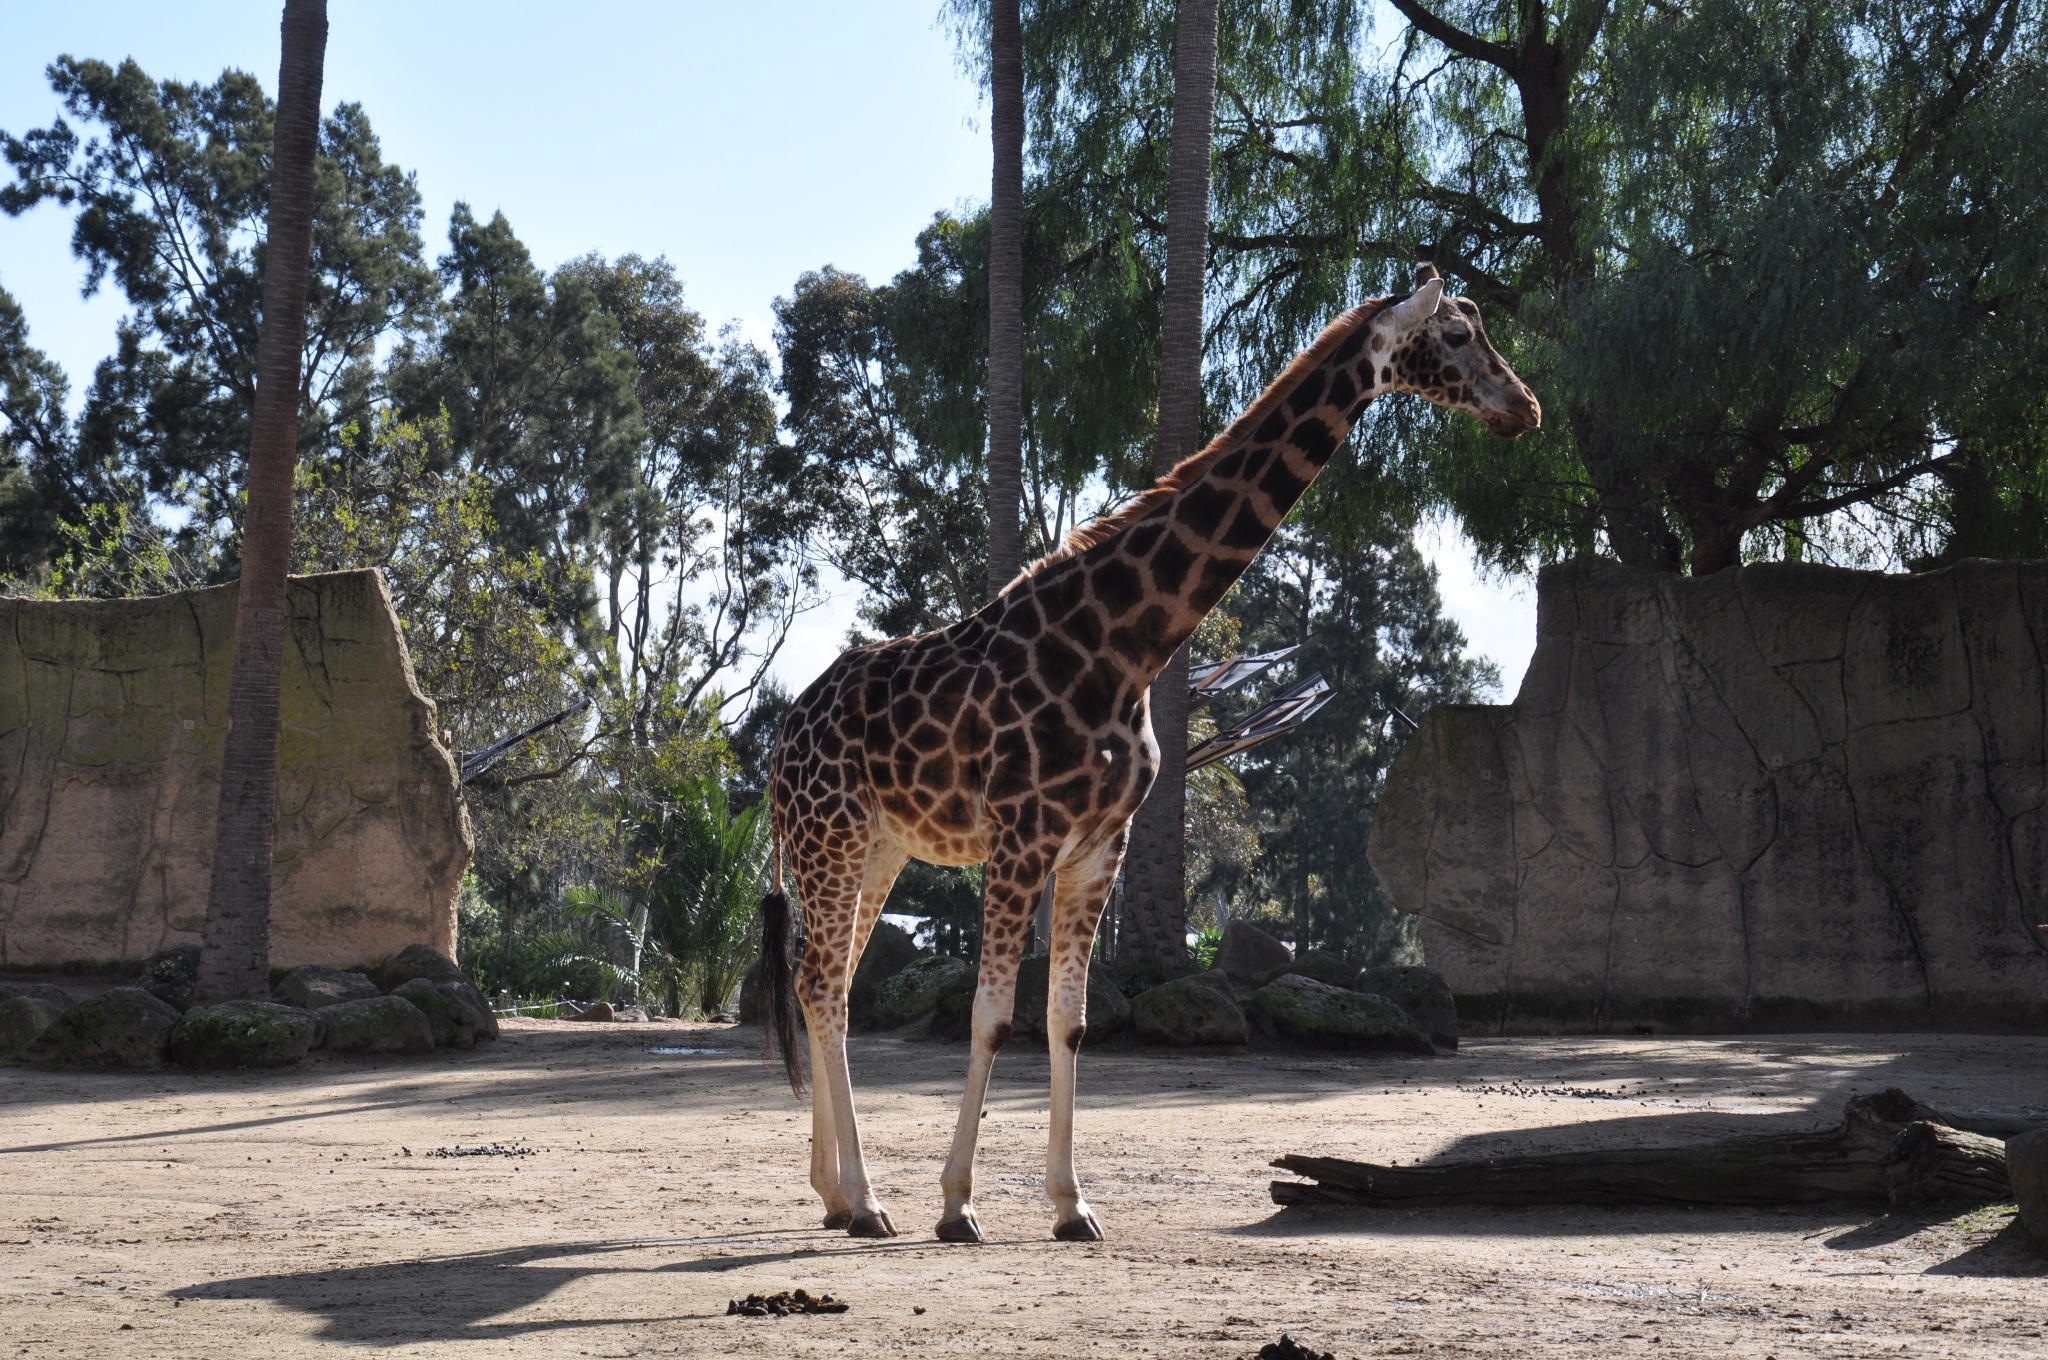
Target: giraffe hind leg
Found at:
x=834, y=886
x=1079, y=894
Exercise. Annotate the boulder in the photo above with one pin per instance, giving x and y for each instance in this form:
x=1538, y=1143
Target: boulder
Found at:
x=377, y=1024
x=1190, y=1011
x=1319, y=964
x=48, y=993
x=750, y=995
x=915, y=990
x=953, y=1008
x=1247, y=951
x=1303, y=1011
x=455, y=1011
x=243, y=1034
x=750, y=987
x=1108, y=1011
x=172, y=975
x=2026, y=1164
x=22, y=1018
x=121, y=1027
x=313, y=985
x=890, y=950
x=1422, y=992
x=414, y=961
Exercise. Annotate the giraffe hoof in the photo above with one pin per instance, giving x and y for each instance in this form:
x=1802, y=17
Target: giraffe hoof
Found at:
x=837, y=1219
x=1082, y=1229
x=962, y=1229
x=876, y=1224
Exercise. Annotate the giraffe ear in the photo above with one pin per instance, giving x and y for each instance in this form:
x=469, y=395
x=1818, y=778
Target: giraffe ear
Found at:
x=1419, y=305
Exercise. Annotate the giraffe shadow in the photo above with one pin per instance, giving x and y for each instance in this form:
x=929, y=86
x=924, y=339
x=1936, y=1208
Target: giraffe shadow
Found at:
x=477, y=1296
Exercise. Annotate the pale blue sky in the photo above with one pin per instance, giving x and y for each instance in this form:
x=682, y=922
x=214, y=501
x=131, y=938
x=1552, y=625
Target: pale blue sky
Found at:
x=746, y=142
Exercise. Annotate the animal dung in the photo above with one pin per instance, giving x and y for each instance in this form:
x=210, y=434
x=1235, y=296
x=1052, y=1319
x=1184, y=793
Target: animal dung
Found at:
x=783, y=1304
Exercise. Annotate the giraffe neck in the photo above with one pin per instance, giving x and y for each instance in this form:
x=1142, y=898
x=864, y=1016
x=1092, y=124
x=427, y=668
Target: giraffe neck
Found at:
x=1165, y=563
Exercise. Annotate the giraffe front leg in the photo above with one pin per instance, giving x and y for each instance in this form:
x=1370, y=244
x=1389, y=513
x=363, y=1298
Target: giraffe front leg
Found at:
x=1006, y=922
x=1079, y=895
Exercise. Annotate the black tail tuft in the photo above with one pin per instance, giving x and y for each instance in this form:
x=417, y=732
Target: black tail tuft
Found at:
x=778, y=986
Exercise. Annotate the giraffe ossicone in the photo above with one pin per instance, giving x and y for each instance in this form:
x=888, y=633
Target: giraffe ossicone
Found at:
x=1020, y=737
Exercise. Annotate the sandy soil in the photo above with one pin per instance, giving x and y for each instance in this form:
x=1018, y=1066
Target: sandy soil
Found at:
x=280, y=1214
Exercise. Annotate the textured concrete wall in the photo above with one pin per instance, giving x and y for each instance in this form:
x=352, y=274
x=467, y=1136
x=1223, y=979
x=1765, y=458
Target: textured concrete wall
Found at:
x=1780, y=797
x=112, y=719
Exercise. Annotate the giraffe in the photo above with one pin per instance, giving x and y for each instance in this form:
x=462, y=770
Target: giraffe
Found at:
x=1021, y=737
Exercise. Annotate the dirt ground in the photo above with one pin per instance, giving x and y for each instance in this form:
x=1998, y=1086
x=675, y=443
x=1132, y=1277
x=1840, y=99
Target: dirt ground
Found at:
x=311, y=1211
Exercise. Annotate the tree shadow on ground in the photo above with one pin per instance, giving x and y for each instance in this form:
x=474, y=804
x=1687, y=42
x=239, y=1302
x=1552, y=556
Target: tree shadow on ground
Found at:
x=1563, y=1222
x=456, y=1298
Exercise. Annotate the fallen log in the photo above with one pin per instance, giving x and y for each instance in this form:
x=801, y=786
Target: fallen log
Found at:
x=1889, y=1148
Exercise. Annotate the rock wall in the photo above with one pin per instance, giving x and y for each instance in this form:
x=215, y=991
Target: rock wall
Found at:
x=112, y=719
x=1780, y=797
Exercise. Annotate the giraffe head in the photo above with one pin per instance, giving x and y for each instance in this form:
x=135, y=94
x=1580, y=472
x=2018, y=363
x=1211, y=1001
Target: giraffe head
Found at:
x=1436, y=347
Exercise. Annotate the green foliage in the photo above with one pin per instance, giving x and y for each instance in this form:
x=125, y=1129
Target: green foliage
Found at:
x=704, y=867
x=947, y=898
x=1776, y=270
x=1363, y=604
x=886, y=389
x=170, y=187
x=1207, y=941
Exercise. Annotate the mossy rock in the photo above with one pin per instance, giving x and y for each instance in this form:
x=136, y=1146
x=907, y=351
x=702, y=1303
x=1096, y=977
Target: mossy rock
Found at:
x=2026, y=1163
x=1314, y=1014
x=1422, y=992
x=1190, y=1012
x=172, y=975
x=455, y=1011
x=953, y=1008
x=415, y=961
x=1319, y=964
x=1246, y=952
x=314, y=985
x=121, y=1027
x=47, y=992
x=889, y=951
x=378, y=1024
x=915, y=991
x=23, y=1018
x=1108, y=1009
x=243, y=1034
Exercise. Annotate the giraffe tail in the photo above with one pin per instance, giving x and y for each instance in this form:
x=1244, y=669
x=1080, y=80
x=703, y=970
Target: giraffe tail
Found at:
x=778, y=978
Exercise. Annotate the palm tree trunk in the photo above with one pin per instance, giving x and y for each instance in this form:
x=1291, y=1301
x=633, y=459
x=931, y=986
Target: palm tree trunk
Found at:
x=1006, y=298
x=1155, y=900
x=236, y=958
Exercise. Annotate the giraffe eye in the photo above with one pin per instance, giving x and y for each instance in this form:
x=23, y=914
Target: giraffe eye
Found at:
x=1457, y=338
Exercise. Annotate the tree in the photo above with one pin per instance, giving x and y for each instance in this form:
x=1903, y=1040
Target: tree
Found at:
x=1005, y=295
x=1360, y=601
x=170, y=192
x=1155, y=905
x=35, y=441
x=1775, y=269
x=235, y=962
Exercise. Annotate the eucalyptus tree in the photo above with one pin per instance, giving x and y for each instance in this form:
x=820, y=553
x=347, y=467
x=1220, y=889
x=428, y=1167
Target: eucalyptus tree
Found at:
x=1343, y=581
x=235, y=951
x=169, y=183
x=887, y=396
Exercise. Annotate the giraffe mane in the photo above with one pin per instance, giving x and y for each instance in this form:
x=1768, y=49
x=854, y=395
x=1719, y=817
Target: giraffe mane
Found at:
x=1105, y=527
